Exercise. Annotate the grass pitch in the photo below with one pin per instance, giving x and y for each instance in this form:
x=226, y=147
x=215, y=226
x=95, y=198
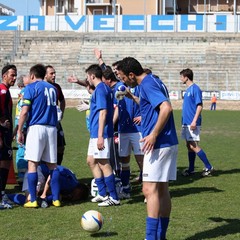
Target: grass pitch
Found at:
x=202, y=208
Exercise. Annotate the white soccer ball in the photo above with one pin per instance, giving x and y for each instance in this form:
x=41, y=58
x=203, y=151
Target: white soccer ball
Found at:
x=92, y=221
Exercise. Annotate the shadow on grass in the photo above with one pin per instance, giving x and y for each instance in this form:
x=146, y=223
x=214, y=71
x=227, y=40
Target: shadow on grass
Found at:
x=103, y=234
x=181, y=192
x=228, y=227
x=181, y=180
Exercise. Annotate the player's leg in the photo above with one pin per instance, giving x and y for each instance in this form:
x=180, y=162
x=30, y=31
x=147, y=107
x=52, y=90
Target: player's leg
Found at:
x=208, y=168
x=124, y=149
x=159, y=167
x=137, y=150
x=188, y=135
x=96, y=171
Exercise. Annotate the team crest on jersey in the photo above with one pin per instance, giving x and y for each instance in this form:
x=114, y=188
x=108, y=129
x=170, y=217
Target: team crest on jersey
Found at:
x=3, y=91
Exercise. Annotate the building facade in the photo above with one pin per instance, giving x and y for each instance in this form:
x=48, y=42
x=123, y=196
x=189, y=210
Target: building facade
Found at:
x=135, y=7
x=6, y=11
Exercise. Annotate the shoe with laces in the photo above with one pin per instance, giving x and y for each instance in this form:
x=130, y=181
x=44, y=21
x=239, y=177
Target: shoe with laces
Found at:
x=124, y=195
x=6, y=202
x=56, y=203
x=109, y=202
x=99, y=198
x=187, y=173
x=30, y=204
x=207, y=172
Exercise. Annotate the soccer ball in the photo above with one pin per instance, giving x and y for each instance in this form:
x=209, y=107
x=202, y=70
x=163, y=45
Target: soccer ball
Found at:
x=92, y=221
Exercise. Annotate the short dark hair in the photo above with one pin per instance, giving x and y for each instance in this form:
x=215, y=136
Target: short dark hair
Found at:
x=48, y=66
x=38, y=71
x=94, y=69
x=7, y=67
x=130, y=64
x=109, y=75
x=187, y=73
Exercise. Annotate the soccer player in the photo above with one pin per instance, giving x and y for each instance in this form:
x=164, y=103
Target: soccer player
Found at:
x=51, y=77
x=101, y=132
x=159, y=145
x=9, y=75
x=40, y=110
x=191, y=124
x=70, y=188
x=21, y=163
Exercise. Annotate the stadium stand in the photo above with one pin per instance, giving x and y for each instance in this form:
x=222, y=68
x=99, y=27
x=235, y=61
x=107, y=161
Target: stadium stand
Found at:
x=214, y=57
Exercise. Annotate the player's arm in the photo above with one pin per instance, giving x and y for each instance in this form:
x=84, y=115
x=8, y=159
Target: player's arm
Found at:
x=46, y=188
x=196, y=116
x=163, y=116
x=115, y=115
x=21, y=121
x=98, y=55
x=101, y=126
x=74, y=79
x=132, y=96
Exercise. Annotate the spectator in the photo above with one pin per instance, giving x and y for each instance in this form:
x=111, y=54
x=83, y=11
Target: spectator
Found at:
x=213, y=102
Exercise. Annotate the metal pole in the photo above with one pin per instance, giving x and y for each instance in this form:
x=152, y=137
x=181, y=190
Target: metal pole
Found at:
x=235, y=16
x=205, y=9
x=55, y=14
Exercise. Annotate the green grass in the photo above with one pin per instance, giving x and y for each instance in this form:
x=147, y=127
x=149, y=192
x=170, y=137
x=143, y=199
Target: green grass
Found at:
x=202, y=208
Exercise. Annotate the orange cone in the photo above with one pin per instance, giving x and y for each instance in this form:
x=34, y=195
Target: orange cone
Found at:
x=11, y=175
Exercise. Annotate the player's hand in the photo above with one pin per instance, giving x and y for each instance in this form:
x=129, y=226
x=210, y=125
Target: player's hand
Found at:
x=193, y=126
x=137, y=120
x=98, y=53
x=20, y=138
x=6, y=124
x=72, y=79
x=148, y=143
x=100, y=143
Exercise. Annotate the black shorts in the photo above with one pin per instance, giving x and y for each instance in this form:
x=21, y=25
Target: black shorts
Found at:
x=60, y=136
x=6, y=152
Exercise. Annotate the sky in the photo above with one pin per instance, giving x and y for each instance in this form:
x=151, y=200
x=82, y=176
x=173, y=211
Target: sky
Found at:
x=21, y=8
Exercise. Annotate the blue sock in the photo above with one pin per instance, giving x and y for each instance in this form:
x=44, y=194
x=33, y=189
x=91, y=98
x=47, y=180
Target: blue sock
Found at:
x=151, y=228
x=201, y=154
x=17, y=198
x=32, y=185
x=191, y=159
x=55, y=184
x=125, y=176
x=162, y=228
x=110, y=183
x=49, y=198
x=101, y=186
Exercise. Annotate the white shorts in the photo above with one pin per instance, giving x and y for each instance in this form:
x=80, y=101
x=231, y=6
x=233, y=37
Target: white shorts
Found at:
x=160, y=165
x=191, y=135
x=97, y=154
x=129, y=142
x=41, y=144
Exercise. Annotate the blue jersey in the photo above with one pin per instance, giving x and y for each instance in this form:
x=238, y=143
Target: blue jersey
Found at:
x=192, y=98
x=128, y=110
x=41, y=96
x=67, y=179
x=152, y=93
x=102, y=98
